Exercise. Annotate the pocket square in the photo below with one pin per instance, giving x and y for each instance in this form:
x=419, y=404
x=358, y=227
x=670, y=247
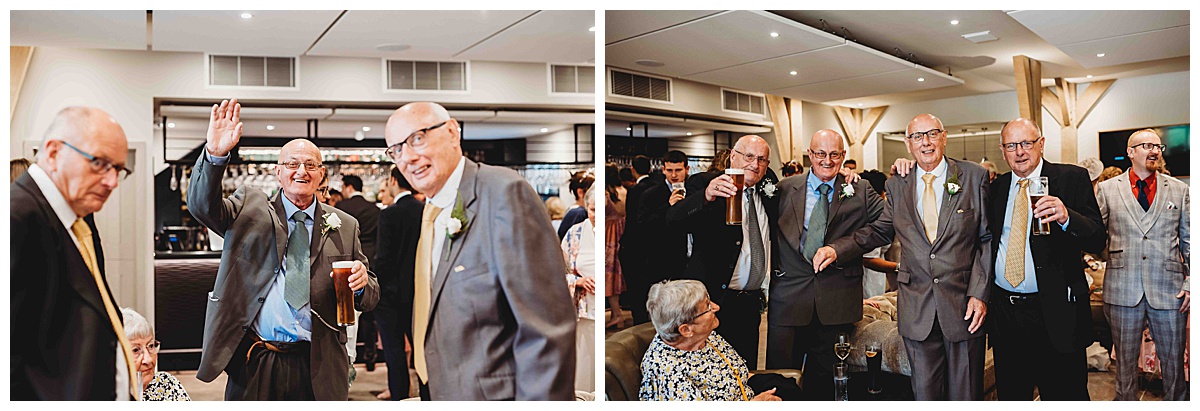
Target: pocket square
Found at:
x=459, y=269
x=960, y=211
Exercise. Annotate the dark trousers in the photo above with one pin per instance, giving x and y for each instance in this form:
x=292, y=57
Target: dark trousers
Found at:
x=269, y=371
x=423, y=390
x=391, y=333
x=740, y=316
x=809, y=347
x=367, y=332
x=1024, y=356
x=637, y=287
x=944, y=369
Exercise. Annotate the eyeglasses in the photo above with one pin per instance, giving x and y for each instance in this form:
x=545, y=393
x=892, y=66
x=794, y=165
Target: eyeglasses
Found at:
x=323, y=190
x=753, y=158
x=833, y=155
x=100, y=165
x=295, y=164
x=416, y=140
x=151, y=347
x=1010, y=147
x=933, y=135
x=709, y=304
x=1151, y=146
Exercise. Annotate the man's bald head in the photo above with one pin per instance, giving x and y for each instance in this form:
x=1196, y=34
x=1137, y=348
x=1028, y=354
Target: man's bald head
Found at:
x=827, y=144
x=92, y=132
x=1019, y=132
x=77, y=124
x=930, y=147
x=751, y=145
x=1144, y=161
x=428, y=166
x=300, y=184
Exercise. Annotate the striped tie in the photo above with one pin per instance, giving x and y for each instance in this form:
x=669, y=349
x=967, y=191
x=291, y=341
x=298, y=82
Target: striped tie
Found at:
x=1014, y=261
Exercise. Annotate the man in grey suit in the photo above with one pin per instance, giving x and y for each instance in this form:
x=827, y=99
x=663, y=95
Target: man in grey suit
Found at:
x=808, y=311
x=1149, y=248
x=939, y=212
x=271, y=322
x=492, y=319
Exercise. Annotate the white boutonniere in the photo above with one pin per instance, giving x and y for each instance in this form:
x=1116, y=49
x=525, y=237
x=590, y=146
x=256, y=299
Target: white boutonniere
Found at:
x=847, y=191
x=332, y=222
x=952, y=185
x=953, y=188
x=768, y=189
x=458, y=220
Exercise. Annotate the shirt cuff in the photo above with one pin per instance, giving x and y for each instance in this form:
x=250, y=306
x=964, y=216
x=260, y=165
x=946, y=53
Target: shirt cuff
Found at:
x=359, y=293
x=217, y=161
x=1064, y=226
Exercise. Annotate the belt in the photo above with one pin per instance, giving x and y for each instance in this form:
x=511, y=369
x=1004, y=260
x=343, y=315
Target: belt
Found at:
x=274, y=346
x=1018, y=298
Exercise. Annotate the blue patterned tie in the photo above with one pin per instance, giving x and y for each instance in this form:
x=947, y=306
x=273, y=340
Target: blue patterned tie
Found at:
x=816, y=223
x=295, y=264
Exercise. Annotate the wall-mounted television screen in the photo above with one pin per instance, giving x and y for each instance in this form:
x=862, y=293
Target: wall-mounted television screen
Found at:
x=1114, y=143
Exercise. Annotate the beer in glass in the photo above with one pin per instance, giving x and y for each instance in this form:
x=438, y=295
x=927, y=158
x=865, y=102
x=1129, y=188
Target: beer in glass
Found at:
x=874, y=368
x=1037, y=189
x=733, y=205
x=345, y=296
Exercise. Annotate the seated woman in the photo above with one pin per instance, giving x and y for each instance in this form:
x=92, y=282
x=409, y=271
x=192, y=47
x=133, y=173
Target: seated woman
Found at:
x=687, y=360
x=156, y=385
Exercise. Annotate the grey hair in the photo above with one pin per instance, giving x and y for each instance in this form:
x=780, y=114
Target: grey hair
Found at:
x=590, y=196
x=136, y=325
x=674, y=303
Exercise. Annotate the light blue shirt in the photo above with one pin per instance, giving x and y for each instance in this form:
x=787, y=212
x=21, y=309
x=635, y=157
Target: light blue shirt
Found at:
x=277, y=321
x=1029, y=285
x=939, y=186
x=810, y=198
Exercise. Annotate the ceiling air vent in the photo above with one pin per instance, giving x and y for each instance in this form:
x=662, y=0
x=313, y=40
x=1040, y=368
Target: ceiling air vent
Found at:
x=640, y=86
x=426, y=75
x=573, y=79
x=250, y=71
x=743, y=102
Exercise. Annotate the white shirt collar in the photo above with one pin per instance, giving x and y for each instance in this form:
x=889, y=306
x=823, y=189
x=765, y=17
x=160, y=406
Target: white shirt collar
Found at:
x=57, y=202
x=356, y=194
x=401, y=195
x=939, y=171
x=639, y=179
x=445, y=197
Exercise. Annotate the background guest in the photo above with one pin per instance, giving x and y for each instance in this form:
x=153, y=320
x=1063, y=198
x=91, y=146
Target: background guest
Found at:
x=367, y=214
x=614, y=226
x=156, y=385
x=634, y=247
x=991, y=168
x=579, y=251
x=17, y=167
x=395, y=257
x=581, y=181
x=557, y=210
x=626, y=175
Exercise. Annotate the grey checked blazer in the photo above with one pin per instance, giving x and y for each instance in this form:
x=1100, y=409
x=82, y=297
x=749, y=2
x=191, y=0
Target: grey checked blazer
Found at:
x=1148, y=251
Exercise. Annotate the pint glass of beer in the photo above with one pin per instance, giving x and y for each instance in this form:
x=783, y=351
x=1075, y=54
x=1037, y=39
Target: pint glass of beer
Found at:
x=345, y=296
x=1037, y=189
x=733, y=206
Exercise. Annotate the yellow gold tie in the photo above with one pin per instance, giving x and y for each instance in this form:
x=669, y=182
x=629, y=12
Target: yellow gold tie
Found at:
x=1014, y=261
x=421, y=293
x=88, y=250
x=929, y=208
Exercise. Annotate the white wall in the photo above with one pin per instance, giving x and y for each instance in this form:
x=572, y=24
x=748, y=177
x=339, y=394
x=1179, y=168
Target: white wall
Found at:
x=688, y=97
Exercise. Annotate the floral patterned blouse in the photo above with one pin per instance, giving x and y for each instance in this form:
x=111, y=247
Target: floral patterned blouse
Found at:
x=671, y=374
x=165, y=387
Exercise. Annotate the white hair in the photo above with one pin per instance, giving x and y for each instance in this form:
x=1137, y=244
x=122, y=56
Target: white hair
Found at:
x=674, y=303
x=136, y=326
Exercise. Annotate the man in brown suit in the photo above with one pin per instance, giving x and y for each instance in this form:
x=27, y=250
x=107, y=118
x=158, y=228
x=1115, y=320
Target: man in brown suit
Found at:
x=939, y=212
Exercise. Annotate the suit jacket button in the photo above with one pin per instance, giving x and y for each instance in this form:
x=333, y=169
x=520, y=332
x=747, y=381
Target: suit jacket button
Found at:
x=1145, y=238
x=739, y=242
x=245, y=328
x=931, y=256
x=935, y=281
x=262, y=299
x=1143, y=257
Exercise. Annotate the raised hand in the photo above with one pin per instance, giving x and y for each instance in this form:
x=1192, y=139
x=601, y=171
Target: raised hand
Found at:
x=848, y=174
x=722, y=186
x=903, y=166
x=224, y=127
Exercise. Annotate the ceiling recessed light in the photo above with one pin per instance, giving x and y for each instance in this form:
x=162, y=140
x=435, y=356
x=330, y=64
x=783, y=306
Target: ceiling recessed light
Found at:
x=365, y=128
x=545, y=129
x=170, y=125
x=392, y=47
x=247, y=15
x=793, y=72
x=774, y=34
x=592, y=29
x=649, y=63
x=921, y=79
x=689, y=133
x=1100, y=55
x=358, y=136
x=860, y=104
x=954, y=22
x=270, y=127
x=1089, y=76
x=628, y=128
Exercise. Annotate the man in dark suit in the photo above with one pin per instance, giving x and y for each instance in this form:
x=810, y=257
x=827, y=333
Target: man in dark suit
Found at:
x=633, y=245
x=808, y=311
x=272, y=323
x=367, y=214
x=399, y=230
x=1041, y=319
x=734, y=261
x=939, y=212
x=69, y=342
x=666, y=247
x=491, y=320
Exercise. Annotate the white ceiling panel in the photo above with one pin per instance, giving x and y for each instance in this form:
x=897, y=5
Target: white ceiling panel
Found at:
x=100, y=29
x=891, y=82
x=430, y=34
x=718, y=41
x=1061, y=27
x=831, y=63
x=267, y=33
x=1132, y=48
x=561, y=36
x=623, y=24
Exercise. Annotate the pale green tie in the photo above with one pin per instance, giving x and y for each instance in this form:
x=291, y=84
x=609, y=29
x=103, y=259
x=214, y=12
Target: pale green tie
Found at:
x=295, y=264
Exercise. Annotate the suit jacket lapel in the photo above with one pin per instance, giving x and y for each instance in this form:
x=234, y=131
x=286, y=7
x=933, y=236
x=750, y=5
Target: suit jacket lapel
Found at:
x=949, y=201
x=451, y=248
x=1131, y=203
x=793, y=217
x=281, y=231
x=318, y=234
x=1151, y=217
x=911, y=200
x=837, y=201
x=77, y=273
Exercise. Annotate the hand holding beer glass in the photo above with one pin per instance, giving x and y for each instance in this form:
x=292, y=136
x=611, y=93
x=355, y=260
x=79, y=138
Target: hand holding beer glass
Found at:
x=1039, y=188
x=678, y=192
x=728, y=185
x=348, y=277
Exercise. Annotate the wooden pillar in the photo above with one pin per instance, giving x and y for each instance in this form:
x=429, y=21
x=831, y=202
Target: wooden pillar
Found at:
x=799, y=139
x=19, y=58
x=1028, y=73
x=858, y=124
x=1069, y=109
x=778, y=105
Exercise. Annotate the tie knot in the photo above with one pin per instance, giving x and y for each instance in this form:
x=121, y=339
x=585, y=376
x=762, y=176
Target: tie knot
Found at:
x=81, y=229
x=299, y=216
x=928, y=177
x=824, y=189
x=1024, y=183
x=1141, y=184
x=431, y=212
